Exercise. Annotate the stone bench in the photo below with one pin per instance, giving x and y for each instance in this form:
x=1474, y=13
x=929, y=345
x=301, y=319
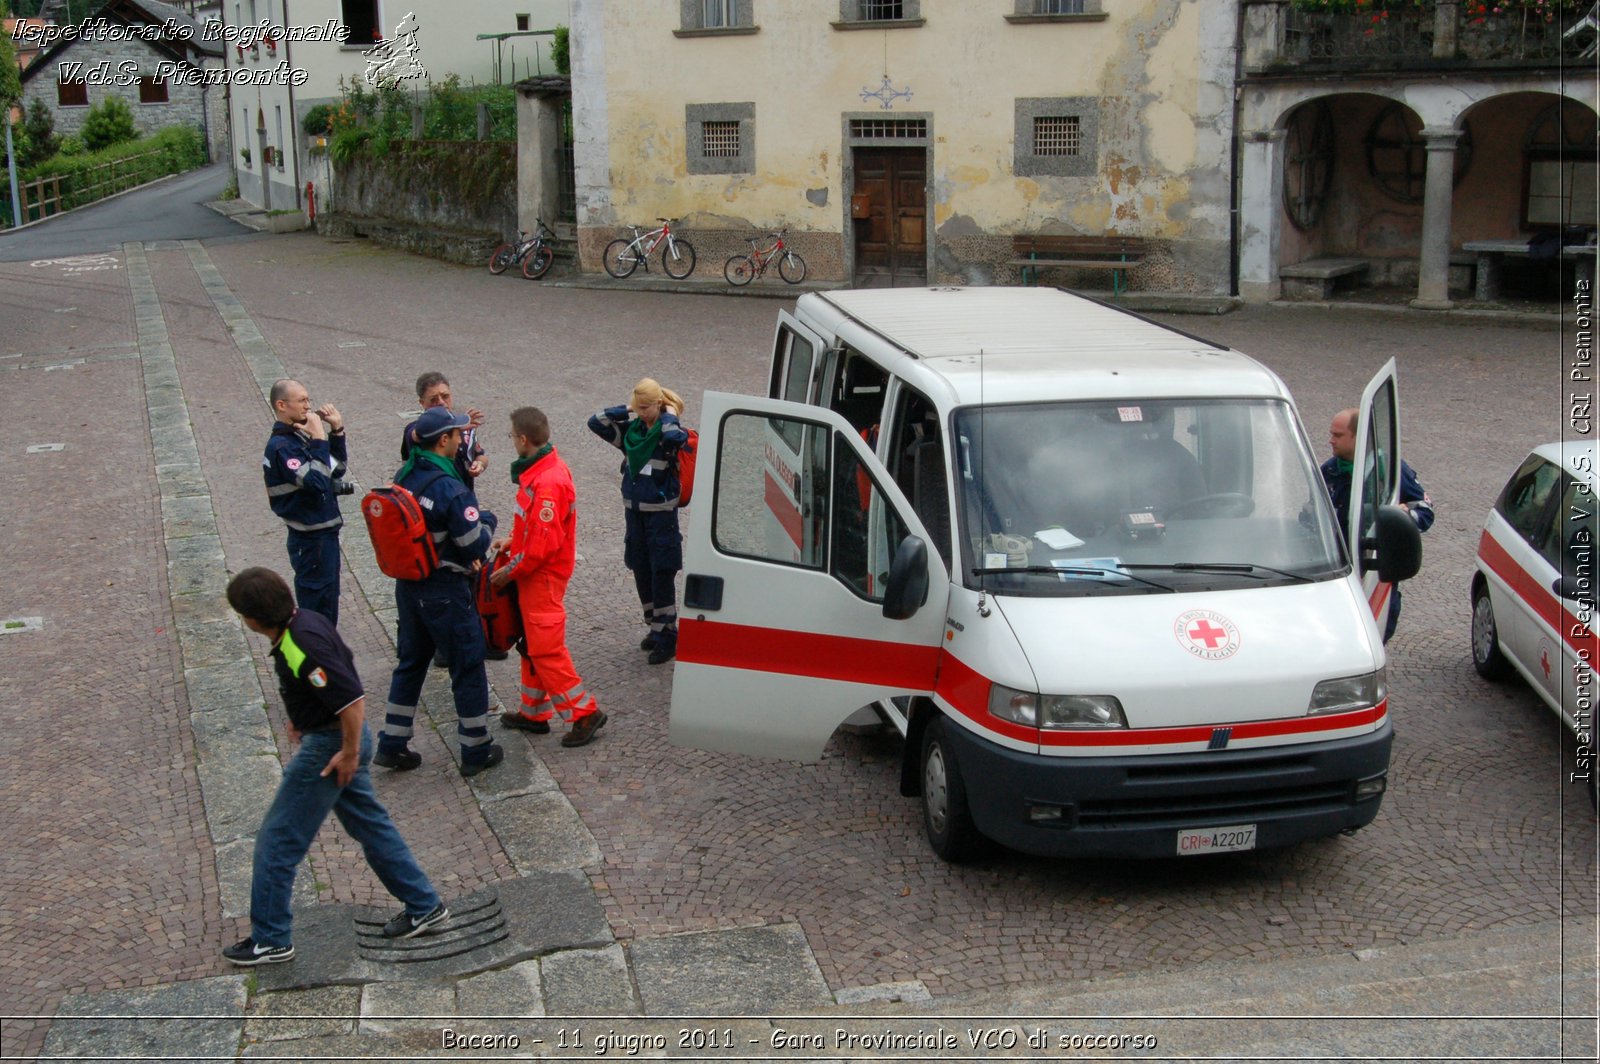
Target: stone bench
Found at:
x=1317, y=278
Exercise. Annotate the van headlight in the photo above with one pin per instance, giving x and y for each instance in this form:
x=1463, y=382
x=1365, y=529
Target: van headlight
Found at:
x=1348, y=692
x=1055, y=711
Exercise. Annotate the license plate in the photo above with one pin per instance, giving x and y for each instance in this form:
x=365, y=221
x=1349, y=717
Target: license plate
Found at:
x=1217, y=840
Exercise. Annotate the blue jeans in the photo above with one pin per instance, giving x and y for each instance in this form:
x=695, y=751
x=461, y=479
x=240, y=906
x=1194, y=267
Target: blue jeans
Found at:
x=304, y=799
x=314, y=557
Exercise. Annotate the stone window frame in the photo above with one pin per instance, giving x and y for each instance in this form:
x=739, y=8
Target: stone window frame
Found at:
x=850, y=17
x=1086, y=109
x=1027, y=11
x=695, y=115
x=691, y=20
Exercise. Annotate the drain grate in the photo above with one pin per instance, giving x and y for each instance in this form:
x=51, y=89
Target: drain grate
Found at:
x=477, y=924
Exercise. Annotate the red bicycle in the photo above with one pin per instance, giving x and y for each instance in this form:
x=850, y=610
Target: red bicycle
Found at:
x=742, y=269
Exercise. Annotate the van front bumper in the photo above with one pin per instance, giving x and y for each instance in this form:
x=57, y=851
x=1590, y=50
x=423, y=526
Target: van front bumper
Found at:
x=1137, y=806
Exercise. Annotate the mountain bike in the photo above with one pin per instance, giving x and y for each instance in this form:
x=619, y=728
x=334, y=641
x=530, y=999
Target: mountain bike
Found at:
x=624, y=256
x=742, y=269
x=531, y=250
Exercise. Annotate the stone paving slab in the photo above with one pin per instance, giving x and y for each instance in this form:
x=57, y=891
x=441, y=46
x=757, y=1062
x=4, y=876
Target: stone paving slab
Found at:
x=542, y=831
x=289, y=1015
x=512, y=921
x=208, y=1020
x=753, y=970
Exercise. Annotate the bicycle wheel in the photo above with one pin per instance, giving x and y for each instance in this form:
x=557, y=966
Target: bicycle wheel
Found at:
x=537, y=262
x=792, y=268
x=677, y=258
x=501, y=258
x=739, y=270
x=620, y=259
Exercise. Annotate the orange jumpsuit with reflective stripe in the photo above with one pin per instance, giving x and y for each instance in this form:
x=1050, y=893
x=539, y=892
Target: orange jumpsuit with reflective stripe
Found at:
x=543, y=548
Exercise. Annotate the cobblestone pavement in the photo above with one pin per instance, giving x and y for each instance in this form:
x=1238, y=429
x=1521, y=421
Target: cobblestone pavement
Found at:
x=98, y=774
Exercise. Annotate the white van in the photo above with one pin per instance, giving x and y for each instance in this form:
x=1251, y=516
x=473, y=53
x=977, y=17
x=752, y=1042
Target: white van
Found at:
x=1083, y=562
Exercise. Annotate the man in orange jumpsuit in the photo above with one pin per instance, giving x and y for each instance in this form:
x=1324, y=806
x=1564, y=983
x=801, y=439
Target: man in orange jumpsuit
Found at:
x=543, y=546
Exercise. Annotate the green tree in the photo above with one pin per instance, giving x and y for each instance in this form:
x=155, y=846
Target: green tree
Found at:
x=10, y=76
x=41, y=129
x=109, y=122
x=561, y=51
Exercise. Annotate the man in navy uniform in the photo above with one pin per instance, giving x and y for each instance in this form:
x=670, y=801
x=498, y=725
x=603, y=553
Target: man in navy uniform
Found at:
x=441, y=611
x=304, y=467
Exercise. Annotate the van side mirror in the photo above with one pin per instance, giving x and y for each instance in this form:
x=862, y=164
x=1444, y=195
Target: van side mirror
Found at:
x=907, y=588
x=1398, y=544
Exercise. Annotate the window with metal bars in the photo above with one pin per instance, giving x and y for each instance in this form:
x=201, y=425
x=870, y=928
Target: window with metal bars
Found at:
x=888, y=128
x=719, y=140
x=1056, y=135
x=1059, y=7
x=881, y=10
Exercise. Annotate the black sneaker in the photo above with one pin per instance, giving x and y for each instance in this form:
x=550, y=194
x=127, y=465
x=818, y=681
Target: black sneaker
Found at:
x=661, y=654
x=582, y=731
x=648, y=643
x=403, y=760
x=523, y=722
x=497, y=754
x=495, y=655
x=407, y=926
x=246, y=953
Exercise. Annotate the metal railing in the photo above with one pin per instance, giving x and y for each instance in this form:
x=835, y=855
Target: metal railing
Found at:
x=1281, y=36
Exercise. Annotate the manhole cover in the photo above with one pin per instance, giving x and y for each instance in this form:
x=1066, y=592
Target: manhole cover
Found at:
x=472, y=926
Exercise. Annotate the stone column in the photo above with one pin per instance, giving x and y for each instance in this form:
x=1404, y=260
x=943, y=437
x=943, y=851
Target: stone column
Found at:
x=538, y=139
x=1433, y=280
x=1260, y=213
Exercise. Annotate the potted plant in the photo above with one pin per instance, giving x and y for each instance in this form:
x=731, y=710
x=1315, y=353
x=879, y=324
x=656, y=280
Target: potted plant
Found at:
x=244, y=153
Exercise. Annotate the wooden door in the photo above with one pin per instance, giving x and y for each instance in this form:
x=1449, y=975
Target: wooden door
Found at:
x=891, y=240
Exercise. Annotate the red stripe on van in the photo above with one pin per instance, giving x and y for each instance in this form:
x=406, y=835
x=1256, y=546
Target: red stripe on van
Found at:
x=1380, y=599
x=828, y=657
x=1539, y=598
x=784, y=509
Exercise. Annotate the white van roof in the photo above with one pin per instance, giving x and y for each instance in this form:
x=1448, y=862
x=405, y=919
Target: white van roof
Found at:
x=1045, y=343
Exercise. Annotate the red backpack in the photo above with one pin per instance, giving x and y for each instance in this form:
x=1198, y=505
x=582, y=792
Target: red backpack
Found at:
x=686, y=459
x=400, y=536
x=502, y=618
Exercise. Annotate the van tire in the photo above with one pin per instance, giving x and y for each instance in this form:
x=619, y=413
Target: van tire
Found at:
x=945, y=815
x=1486, y=656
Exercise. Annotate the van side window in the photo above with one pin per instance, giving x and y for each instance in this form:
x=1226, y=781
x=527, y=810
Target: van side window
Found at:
x=773, y=509
x=791, y=376
x=858, y=394
x=865, y=529
x=916, y=462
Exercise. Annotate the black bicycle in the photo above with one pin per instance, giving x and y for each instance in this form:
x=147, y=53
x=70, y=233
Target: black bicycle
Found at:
x=532, y=250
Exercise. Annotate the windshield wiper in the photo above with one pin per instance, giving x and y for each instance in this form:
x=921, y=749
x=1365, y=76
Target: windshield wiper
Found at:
x=1218, y=567
x=1101, y=574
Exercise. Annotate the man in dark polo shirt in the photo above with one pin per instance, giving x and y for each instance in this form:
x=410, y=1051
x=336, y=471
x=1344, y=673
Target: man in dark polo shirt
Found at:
x=326, y=705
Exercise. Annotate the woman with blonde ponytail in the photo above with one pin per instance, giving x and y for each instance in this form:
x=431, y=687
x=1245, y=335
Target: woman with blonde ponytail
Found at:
x=647, y=432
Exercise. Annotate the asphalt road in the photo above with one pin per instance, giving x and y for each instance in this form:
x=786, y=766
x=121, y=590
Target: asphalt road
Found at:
x=169, y=209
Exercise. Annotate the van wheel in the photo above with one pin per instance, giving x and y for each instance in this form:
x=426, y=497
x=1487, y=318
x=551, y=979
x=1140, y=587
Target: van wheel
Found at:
x=1486, y=656
x=944, y=799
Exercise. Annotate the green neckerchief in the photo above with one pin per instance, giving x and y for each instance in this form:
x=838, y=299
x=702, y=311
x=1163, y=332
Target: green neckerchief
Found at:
x=439, y=460
x=520, y=465
x=1343, y=465
x=639, y=443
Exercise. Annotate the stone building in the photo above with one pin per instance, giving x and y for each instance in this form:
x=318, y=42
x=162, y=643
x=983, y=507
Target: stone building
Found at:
x=148, y=53
x=909, y=141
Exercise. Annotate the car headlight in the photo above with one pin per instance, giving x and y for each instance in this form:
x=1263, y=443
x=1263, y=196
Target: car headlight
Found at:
x=1055, y=711
x=1347, y=693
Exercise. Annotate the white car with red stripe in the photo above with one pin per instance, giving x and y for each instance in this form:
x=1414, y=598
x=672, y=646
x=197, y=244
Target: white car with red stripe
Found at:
x=1533, y=595
x=1083, y=562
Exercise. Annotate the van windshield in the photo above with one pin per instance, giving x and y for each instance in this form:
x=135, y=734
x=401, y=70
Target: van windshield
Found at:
x=1139, y=497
